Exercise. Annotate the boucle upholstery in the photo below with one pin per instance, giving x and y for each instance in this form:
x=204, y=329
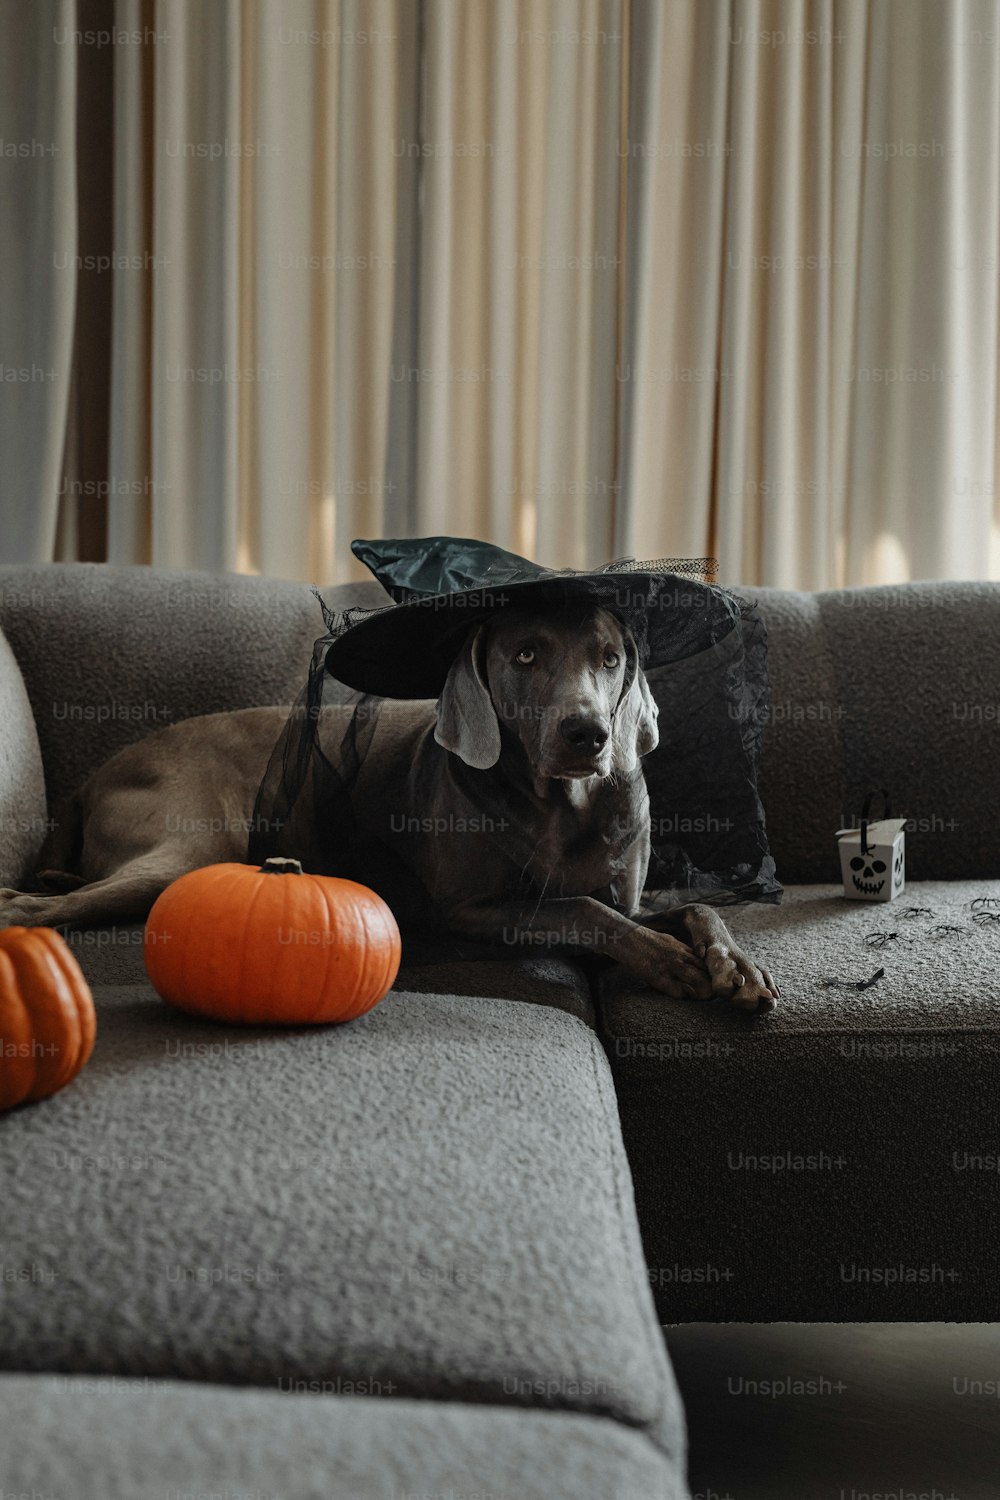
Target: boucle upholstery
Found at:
x=105, y=1438
x=895, y=687
x=433, y=1196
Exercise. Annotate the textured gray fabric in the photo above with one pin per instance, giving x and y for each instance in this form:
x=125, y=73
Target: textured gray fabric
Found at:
x=837, y=1158
x=557, y=982
x=110, y=654
x=801, y=780
x=919, y=673
x=435, y=1195
x=936, y=980
x=22, y=785
x=896, y=687
x=98, y=1440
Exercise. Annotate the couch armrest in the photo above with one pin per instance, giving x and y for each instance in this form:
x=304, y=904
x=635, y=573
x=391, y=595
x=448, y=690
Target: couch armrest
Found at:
x=22, y=783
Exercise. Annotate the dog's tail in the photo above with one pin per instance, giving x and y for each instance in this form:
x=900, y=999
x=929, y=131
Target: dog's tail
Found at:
x=57, y=867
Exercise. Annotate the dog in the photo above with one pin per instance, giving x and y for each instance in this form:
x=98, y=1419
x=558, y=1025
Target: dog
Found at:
x=519, y=797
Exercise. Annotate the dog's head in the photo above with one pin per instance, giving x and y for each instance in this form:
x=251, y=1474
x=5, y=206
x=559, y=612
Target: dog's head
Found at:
x=567, y=685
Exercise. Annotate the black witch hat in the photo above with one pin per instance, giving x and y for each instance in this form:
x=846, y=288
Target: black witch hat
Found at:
x=443, y=585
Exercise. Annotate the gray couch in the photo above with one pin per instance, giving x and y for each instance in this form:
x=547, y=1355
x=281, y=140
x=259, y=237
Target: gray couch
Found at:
x=403, y=1256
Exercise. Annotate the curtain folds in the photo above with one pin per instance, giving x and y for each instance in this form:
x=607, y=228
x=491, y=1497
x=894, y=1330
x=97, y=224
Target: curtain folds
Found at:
x=262, y=184
x=38, y=250
x=586, y=278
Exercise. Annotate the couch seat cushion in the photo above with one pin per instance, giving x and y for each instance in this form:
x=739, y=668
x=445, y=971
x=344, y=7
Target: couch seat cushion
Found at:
x=434, y=1195
x=836, y=1159
x=112, y=1439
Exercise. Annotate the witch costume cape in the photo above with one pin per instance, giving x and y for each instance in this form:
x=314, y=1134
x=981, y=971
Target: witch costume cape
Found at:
x=703, y=650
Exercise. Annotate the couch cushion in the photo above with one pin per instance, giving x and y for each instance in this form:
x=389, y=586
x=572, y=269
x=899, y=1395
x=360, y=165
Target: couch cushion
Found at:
x=802, y=762
x=99, y=1439
x=109, y=654
x=434, y=1195
x=898, y=687
x=837, y=1158
x=22, y=784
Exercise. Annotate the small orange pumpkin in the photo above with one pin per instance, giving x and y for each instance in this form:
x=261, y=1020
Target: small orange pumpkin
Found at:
x=238, y=943
x=47, y=1019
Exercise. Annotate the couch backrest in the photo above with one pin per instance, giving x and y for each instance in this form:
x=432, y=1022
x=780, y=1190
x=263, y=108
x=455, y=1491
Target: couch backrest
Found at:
x=897, y=687
x=110, y=654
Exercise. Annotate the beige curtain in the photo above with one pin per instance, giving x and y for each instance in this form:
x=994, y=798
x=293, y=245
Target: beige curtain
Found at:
x=520, y=275
x=813, y=296
x=251, y=380
x=586, y=277
x=38, y=229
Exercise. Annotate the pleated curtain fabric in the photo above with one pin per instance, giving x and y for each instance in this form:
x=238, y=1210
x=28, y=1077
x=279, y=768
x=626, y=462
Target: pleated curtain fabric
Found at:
x=38, y=235
x=519, y=276
x=813, y=269
x=252, y=373
x=586, y=278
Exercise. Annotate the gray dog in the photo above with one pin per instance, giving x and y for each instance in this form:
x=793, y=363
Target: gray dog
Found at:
x=544, y=716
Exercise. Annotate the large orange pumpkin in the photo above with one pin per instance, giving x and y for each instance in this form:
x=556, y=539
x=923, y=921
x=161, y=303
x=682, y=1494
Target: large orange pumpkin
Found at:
x=238, y=943
x=47, y=1019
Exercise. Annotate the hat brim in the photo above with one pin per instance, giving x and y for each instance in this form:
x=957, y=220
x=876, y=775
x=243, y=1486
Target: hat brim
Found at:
x=406, y=650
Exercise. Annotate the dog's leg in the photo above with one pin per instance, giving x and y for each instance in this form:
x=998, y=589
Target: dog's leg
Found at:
x=734, y=976
x=175, y=801
x=125, y=896
x=585, y=924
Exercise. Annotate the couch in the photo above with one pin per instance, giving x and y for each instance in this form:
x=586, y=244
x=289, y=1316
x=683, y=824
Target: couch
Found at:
x=404, y=1257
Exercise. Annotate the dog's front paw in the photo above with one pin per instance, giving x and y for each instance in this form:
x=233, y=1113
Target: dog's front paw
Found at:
x=737, y=978
x=19, y=909
x=673, y=968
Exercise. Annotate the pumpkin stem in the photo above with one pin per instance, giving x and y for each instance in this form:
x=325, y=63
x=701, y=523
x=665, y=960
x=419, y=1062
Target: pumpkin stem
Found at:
x=281, y=867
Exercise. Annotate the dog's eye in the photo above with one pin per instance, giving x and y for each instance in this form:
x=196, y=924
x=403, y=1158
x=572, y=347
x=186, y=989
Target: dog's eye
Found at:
x=611, y=658
x=525, y=656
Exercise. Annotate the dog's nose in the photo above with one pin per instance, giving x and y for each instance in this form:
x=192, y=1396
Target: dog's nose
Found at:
x=586, y=736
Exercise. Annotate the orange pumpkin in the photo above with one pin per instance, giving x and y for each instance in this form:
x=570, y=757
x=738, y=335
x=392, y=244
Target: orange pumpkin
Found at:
x=237, y=943
x=47, y=1019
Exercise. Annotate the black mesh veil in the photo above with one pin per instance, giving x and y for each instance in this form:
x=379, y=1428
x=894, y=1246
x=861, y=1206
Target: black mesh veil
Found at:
x=704, y=653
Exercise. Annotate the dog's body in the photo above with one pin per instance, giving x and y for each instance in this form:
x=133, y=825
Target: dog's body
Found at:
x=518, y=802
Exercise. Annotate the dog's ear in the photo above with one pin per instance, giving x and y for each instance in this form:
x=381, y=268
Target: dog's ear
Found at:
x=635, y=719
x=467, y=722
